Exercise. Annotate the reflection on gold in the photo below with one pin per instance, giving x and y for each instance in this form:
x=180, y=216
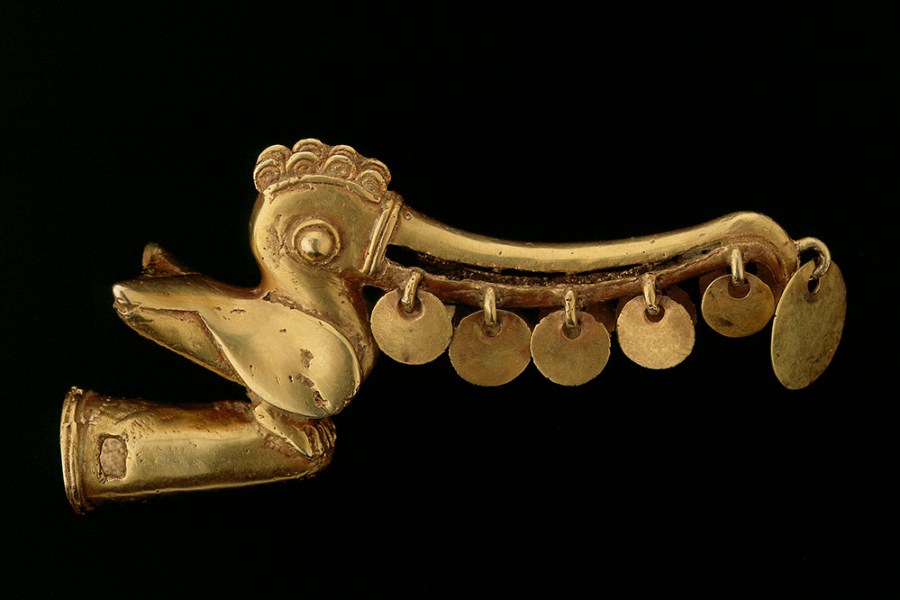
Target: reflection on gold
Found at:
x=302, y=342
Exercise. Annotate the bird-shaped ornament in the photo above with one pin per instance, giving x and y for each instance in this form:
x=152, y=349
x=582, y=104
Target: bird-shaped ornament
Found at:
x=304, y=339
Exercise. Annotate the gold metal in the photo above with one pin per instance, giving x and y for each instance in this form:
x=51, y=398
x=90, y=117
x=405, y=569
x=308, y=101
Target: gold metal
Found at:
x=823, y=260
x=737, y=267
x=413, y=338
x=491, y=356
x=603, y=313
x=648, y=281
x=115, y=450
x=571, y=312
x=408, y=299
x=707, y=278
x=808, y=323
x=570, y=355
x=684, y=299
x=658, y=341
x=489, y=310
x=420, y=233
x=305, y=338
x=738, y=310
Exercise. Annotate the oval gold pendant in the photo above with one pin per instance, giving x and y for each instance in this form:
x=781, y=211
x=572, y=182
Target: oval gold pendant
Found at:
x=491, y=358
x=734, y=315
x=411, y=338
x=570, y=360
x=658, y=342
x=807, y=326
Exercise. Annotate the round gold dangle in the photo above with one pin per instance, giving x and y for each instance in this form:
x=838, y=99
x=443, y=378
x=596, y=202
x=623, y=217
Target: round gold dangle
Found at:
x=604, y=314
x=808, y=321
x=684, y=299
x=570, y=347
x=491, y=347
x=739, y=304
x=411, y=326
x=655, y=331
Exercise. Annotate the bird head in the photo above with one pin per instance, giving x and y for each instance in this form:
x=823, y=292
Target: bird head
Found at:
x=300, y=340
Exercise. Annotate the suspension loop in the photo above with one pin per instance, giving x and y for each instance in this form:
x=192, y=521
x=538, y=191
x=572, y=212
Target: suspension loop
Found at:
x=571, y=310
x=737, y=267
x=648, y=281
x=410, y=288
x=489, y=307
x=823, y=255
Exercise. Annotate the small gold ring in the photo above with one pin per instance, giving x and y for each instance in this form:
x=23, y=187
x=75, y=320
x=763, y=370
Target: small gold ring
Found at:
x=737, y=267
x=571, y=310
x=410, y=288
x=489, y=306
x=823, y=258
x=649, y=283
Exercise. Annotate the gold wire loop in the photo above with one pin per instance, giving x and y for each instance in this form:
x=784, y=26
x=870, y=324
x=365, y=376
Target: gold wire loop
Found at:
x=823, y=258
x=737, y=267
x=571, y=310
x=489, y=306
x=408, y=297
x=649, y=282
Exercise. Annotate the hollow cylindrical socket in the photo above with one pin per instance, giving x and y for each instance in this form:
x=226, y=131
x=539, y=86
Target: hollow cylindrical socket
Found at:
x=115, y=449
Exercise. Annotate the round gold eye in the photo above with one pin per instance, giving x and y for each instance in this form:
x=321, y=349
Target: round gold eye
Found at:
x=316, y=241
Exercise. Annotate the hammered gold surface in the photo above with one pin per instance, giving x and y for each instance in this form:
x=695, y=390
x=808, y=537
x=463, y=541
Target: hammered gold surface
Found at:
x=302, y=341
x=684, y=299
x=491, y=360
x=734, y=315
x=415, y=338
x=655, y=343
x=570, y=358
x=603, y=313
x=807, y=327
x=116, y=449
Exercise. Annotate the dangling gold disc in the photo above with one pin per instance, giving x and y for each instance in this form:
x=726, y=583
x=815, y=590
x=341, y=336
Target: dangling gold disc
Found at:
x=737, y=310
x=683, y=298
x=569, y=357
x=808, y=325
x=707, y=278
x=491, y=357
x=656, y=342
x=603, y=313
x=411, y=338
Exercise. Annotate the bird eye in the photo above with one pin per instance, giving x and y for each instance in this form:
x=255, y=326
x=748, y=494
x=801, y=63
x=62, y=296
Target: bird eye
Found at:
x=316, y=241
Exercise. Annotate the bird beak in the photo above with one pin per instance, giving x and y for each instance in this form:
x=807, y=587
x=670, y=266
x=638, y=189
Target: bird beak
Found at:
x=163, y=305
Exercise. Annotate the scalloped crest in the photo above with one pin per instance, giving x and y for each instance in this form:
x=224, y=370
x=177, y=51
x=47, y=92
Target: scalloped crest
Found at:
x=311, y=157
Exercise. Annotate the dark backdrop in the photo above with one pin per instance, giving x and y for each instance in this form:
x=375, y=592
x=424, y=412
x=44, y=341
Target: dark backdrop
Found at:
x=124, y=126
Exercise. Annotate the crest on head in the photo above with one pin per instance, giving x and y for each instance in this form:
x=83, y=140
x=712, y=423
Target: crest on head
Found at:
x=325, y=207
x=279, y=168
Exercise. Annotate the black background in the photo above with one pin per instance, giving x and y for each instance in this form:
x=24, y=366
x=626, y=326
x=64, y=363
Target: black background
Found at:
x=122, y=126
